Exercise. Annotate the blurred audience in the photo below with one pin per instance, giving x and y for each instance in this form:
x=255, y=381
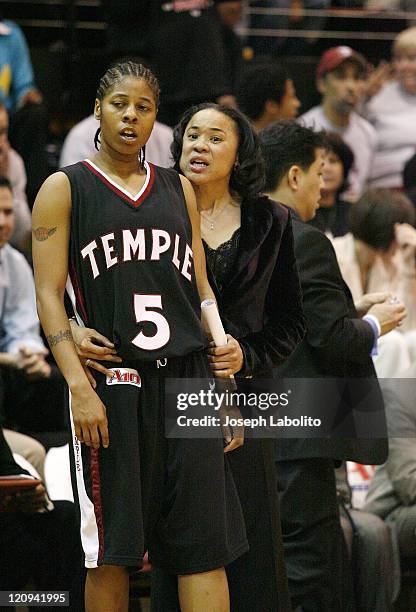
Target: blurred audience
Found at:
x=392, y=492
x=378, y=255
x=372, y=551
x=12, y=166
x=266, y=94
x=196, y=54
x=183, y=43
x=292, y=18
x=409, y=179
x=79, y=143
x=33, y=389
x=38, y=546
x=28, y=115
x=341, y=80
x=230, y=14
x=28, y=448
x=392, y=112
x=332, y=216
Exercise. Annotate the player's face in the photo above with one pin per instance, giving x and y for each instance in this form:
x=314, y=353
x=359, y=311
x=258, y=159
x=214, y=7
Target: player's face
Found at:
x=344, y=87
x=405, y=69
x=6, y=215
x=209, y=148
x=126, y=114
x=333, y=172
x=311, y=184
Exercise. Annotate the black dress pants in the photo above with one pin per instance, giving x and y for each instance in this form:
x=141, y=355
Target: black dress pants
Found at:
x=312, y=537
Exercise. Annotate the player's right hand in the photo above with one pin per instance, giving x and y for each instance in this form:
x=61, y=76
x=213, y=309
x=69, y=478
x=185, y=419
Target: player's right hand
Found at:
x=90, y=419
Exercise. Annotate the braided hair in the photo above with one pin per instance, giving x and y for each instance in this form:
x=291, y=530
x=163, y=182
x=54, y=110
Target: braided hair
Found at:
x=116, y=73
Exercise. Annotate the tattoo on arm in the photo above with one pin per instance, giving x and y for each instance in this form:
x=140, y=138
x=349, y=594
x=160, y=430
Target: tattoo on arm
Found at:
x=62, y=335
x=43, y=233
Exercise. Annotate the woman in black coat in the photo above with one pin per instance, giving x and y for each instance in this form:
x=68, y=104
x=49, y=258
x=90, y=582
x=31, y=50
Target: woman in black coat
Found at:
x=249, y=248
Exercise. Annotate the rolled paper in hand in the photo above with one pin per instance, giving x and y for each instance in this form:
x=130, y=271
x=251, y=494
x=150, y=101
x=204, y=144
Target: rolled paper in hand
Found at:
x=212, y=322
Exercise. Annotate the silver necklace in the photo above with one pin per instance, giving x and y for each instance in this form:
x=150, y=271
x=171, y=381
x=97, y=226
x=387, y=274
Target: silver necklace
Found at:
x=211, y=220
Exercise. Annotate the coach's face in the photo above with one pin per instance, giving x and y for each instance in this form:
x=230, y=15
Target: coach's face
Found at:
x=209, y=148
x=6, y=215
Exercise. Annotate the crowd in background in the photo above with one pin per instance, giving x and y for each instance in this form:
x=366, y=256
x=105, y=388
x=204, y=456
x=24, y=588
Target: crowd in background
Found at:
x=367, y=210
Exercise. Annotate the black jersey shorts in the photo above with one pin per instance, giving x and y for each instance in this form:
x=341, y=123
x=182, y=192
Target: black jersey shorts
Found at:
x=175, y=498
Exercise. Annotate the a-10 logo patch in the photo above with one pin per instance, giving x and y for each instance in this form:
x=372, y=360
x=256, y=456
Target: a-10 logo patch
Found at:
x=124, y=376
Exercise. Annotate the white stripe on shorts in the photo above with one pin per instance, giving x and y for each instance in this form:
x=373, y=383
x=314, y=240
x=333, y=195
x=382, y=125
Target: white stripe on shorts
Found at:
x=89, y=528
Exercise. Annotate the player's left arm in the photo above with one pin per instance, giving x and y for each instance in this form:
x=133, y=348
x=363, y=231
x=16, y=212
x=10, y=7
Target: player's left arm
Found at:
x=225, y=360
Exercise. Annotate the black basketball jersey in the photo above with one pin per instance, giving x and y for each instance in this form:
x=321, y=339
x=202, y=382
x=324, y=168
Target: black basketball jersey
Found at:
x=131, y=272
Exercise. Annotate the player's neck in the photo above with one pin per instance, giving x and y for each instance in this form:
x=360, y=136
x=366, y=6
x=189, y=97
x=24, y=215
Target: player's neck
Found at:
x=115, y=163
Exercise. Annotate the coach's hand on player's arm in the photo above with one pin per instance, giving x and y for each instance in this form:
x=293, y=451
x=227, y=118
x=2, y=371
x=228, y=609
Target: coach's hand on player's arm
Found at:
x=226, y=360
x=92, y=346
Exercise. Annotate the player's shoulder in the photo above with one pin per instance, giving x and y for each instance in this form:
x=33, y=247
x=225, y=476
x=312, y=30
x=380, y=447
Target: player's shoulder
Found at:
x=55, y=192
x=162, y=171
x=187, y=188
x=58, y=180
x=168, y=176
x=80, y=170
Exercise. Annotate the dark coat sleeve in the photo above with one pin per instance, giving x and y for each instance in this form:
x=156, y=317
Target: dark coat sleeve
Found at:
x=284, y=321
x=330, y=328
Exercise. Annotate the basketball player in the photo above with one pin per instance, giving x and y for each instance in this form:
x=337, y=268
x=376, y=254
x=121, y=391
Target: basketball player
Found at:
x=128, y=234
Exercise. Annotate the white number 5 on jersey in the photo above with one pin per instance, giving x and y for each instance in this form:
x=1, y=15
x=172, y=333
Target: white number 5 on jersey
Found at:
x=142, y=306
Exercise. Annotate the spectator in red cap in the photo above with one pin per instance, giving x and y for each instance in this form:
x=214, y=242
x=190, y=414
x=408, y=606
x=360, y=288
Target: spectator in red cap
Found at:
x=341, y=79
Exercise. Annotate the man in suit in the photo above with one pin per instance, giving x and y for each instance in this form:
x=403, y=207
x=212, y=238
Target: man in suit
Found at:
x=338, y=344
